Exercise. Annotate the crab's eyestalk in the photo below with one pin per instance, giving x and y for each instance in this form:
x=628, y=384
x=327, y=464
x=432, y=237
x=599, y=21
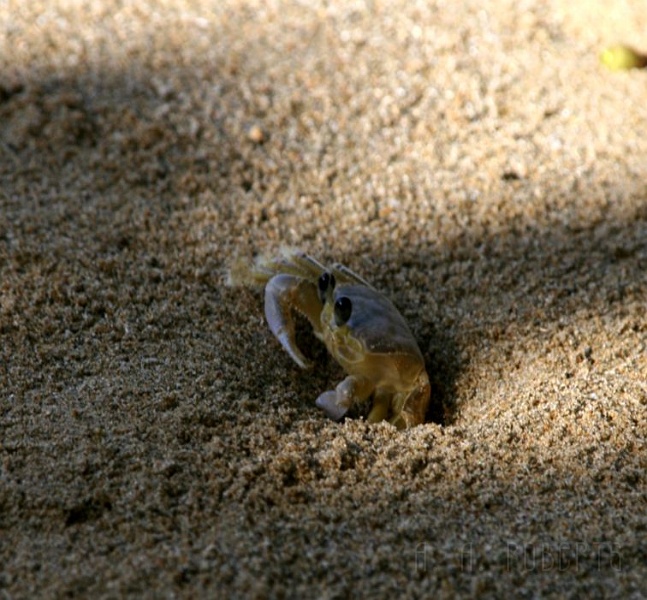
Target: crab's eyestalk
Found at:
x=343, y=310
x=326, y=285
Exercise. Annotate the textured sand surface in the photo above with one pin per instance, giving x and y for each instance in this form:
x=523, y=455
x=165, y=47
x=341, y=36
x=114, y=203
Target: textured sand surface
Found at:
x=472, y=160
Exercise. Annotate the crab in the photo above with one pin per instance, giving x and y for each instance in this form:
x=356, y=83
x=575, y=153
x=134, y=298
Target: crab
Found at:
x=360, y=327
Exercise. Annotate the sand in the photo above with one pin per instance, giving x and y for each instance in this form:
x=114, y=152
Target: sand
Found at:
x=473, y=160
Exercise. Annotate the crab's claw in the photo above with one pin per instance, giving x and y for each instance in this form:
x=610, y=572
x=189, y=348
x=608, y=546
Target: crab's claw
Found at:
x=353, y=390
x=329, y=404
x=283, y=294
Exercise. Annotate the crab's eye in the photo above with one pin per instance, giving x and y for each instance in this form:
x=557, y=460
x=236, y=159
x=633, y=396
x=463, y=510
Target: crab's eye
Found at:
x=326, y=281
x=343, y=310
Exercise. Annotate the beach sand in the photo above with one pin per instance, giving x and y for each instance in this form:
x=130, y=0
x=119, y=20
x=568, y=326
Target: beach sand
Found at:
x=474, y=161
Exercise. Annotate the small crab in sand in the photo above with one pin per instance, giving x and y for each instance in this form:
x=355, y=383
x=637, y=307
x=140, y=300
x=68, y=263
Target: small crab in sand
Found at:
x=360, y=327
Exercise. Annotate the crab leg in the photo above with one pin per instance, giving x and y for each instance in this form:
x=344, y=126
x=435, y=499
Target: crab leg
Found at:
x=290, y=262
x=345, y=275
x=282, y=293
x=410, y=407
x=380, y=409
